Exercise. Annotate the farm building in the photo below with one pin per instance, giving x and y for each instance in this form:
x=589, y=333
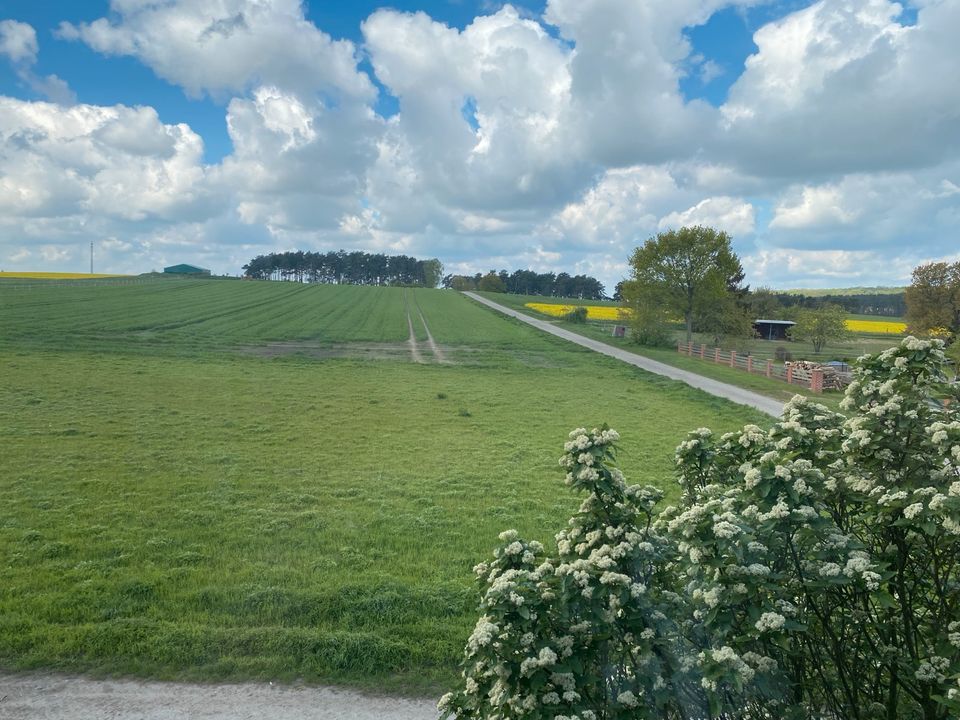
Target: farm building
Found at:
x=184, y=269
x=772, y=329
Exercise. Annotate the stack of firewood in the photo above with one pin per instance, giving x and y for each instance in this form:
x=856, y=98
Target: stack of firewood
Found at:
x=832, y=380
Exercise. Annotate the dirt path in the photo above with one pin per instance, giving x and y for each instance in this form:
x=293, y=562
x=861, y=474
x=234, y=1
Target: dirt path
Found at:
x=61, y=697
x=412, y=338
x=434, y=348
x=714, y=387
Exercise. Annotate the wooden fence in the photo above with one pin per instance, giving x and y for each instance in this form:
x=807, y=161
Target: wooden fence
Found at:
x=812, y=379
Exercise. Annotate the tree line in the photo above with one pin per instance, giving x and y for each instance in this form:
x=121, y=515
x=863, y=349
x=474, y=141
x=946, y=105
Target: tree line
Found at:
x=883, y=304
x=528, y=282
x=345, y=268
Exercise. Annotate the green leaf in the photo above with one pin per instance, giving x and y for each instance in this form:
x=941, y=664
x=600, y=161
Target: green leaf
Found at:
x=884, y=599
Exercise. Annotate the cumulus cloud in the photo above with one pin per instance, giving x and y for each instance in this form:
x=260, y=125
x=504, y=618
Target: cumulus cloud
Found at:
x=877, y=210
x=733, y=215
x=481, y=110
x=72, y=175
x=296, y=164
x=118, y=161
x=621, y=209
x=18, y=43
x=227, y=46
x=842, y=86
x=813, y=207
x=799, y=268
x=626, y=105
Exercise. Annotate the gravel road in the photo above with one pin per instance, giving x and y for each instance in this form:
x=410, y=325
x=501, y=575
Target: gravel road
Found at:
x=714, y=387
x=62, y=697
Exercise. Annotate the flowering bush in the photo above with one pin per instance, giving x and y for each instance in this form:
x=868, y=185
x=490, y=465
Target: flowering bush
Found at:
x=811, y=569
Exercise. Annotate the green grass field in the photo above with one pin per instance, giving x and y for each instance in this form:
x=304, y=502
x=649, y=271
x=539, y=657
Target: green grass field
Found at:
x=195, y=485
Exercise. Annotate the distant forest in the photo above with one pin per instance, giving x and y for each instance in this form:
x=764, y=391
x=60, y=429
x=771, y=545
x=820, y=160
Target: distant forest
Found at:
x=345, y=268
x=528, y=282
x=884, y=304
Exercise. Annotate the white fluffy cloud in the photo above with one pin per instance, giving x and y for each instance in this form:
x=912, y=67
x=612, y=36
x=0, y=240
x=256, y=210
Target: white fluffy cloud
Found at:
x=18, y=41
x=296, y=165
x=732, y=215
x=481, y=110
x=18, y=44
x=72, y=175
x=227, y=46
x=626, y=106
x=842, y=86
x=87, y=160
x=794, y=267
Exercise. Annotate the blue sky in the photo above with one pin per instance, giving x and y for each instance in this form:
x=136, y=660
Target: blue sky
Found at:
x=554, y=135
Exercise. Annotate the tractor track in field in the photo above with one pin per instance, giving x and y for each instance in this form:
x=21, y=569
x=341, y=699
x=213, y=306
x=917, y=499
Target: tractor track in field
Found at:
x=438, y=354
x=434, y=348
x=412, y=338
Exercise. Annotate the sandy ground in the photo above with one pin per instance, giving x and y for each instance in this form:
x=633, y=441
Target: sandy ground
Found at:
x=714, y=387
x=63, y=697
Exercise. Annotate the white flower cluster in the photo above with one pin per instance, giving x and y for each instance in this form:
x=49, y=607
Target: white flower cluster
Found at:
x=933, y=669
x=770, y=622
x=954, y=634
x=546, y=658
x=729, y=657
x=482, y=635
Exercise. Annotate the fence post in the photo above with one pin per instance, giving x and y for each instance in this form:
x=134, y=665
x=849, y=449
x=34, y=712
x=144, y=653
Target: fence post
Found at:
x=716, y=354
x=703, y=350
x=749, y=363
x=816, y=381
x=769, y=368
x=733, y=358
x=690, y=349
x=790, y=374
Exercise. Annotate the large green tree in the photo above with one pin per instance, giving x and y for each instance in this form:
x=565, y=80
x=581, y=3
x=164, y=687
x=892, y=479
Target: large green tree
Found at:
x=933, y=298
x=491, y=282
x=820, y=325
x=432, y=272
x=933, y=304
x=686, y=273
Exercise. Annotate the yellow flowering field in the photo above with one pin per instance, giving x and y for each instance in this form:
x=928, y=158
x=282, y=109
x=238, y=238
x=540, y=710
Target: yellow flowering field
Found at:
x=56, y=275
x=594, y=312
x=877, y=327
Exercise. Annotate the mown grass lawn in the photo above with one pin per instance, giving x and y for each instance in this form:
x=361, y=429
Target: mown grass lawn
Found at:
x=182, y=508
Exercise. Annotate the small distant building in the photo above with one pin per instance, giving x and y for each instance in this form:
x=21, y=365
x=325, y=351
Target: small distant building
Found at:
x=772, y=329
x=184, y=269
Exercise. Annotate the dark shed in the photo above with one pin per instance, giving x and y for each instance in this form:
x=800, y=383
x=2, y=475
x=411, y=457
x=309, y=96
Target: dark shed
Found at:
x=772, y=329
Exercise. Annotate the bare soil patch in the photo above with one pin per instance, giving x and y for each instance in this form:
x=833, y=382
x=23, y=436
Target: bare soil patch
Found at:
x=323, y=351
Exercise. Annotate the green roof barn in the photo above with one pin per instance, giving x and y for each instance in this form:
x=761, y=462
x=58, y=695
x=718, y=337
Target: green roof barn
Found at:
x=184, y=269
